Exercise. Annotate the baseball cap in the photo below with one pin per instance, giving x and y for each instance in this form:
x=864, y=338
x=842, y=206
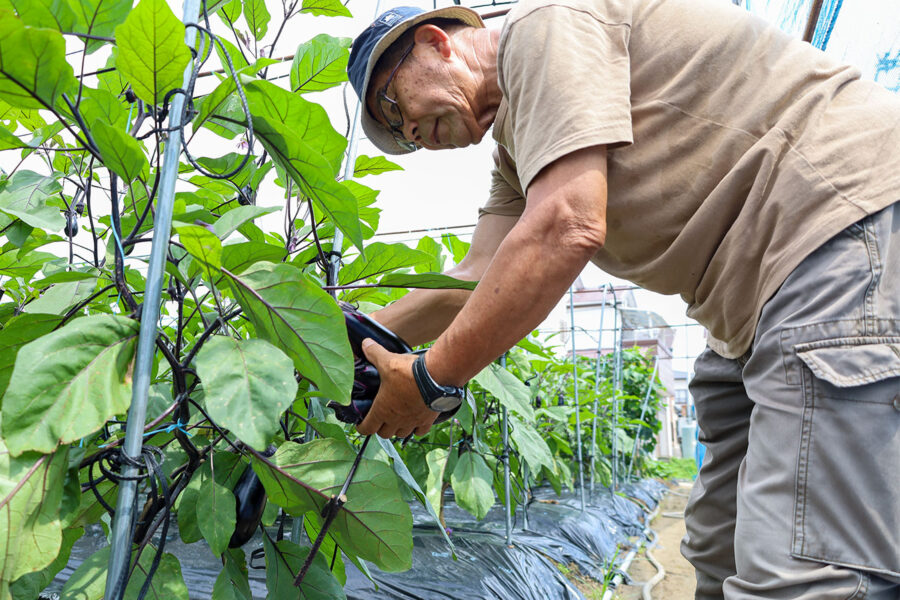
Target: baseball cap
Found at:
x=370, y=45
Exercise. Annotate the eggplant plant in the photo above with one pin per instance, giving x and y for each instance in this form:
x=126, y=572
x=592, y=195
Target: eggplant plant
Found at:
x=251, y=344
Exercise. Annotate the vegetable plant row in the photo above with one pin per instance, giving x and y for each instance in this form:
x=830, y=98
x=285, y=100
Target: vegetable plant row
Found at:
x=251, y=344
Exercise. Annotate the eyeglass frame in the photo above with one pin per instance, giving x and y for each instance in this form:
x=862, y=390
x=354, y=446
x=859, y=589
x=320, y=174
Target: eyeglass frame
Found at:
x=381, y=97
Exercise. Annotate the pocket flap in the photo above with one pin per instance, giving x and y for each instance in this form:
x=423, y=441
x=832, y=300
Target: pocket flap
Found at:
x=849, y=362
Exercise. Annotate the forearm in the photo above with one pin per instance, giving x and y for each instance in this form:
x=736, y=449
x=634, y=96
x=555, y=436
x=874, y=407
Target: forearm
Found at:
x=422, y=315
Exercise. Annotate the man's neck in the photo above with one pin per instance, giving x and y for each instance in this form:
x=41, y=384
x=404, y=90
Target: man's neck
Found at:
x=481, y=57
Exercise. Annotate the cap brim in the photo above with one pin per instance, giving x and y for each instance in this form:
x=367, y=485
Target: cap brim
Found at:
x=375, y=131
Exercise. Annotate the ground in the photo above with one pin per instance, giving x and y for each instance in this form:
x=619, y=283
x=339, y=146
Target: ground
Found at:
x=678, y=583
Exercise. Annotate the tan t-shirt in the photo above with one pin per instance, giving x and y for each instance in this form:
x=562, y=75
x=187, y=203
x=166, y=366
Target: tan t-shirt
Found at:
x=734, y=149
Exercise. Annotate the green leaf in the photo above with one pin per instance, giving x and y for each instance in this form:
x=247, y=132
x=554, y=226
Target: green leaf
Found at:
x=531, y=445
x=247, y=385
x=434, y=486
x=239, y=257
x=471, y=482
x=222, y=165
x=202, y=244
x=295, y=314
x=433, y=249
x=434, y=281
x=326, y=8
x=26, y=266
x=375, y=523
x=507, y=388
x=284, y=560
x=26, y=196
x=381, y=258
x=66, y=384
x=33, y=68
x=216, y=514
x=102, y=105
x=61, y=296
x=257, y=17
x=88, y=582
x=31, y=585
x=234, y=218
x=238, y=62
x=120, y=152
x=458, y=248
x=31, y=488
x=99, y=17
x=233, y=582
x=64, y=277
x=320, y=63
x=404, y=473
x=51, y=14
x=230, y=10
x=152, y=53
x=18, y=332
x=373, y=165
x=9, y=140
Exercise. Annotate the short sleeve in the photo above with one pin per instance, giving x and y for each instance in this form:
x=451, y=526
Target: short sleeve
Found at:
x=565, y=73
x=505, y=198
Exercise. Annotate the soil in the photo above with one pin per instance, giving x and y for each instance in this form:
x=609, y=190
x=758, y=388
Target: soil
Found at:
x=679, y=582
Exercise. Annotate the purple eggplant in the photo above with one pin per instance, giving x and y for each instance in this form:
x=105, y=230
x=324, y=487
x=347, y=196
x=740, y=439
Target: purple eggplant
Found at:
x=250, y=497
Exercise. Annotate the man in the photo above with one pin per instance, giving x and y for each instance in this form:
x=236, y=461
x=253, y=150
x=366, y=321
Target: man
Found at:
x=692, y=149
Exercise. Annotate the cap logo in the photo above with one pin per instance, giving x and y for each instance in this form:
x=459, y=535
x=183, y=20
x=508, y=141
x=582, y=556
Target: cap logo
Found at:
x=390, y=18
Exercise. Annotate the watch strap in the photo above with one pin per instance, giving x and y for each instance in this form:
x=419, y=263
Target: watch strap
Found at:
x=428, y=387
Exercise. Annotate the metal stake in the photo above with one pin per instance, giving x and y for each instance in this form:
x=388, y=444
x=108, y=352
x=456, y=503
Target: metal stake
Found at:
x=123, y=526
x=617, y=384
x=596, y=390
x=644, y=404
x=575, y=389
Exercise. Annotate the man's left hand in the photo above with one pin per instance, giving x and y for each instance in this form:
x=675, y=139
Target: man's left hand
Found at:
x=398, y=409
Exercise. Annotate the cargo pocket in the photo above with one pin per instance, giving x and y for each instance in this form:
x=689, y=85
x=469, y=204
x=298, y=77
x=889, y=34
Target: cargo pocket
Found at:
x=847, y=509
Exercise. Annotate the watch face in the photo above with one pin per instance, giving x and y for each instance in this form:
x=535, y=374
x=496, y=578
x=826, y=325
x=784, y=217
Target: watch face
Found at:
x=445, y=403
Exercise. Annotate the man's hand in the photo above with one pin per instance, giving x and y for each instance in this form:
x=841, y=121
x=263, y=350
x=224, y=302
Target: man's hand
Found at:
x=398, y=409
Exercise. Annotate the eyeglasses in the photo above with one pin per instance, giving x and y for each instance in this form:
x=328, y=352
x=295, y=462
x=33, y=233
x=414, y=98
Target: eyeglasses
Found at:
x=391, y=111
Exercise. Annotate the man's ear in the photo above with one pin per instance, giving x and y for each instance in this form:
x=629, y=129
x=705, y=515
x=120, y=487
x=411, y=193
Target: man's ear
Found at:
x=435, y=37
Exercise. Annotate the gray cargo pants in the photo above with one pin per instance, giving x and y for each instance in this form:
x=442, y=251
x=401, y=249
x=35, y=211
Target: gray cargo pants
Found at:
x=799, y=494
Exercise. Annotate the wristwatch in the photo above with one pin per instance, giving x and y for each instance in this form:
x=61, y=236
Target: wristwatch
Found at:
x=439, y=398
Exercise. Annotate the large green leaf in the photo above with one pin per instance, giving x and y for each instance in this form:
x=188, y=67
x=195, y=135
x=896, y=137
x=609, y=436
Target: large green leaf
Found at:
x=434, y=485
x=202, y=244
x=471, y=482
x=31, y=488
x=531, y=445
x=239, y=257
x=216, y=514
x=507, y=388
x=33, y=68
x=88, y=582
x=284, y=560
x=25, y=197
x=373, y=165
x=436, y=281
x=247, y=384
x=68, y=383
x=14, y=265
x=18, y=332
x=327, y=8
x=103, y=105
x=234, y=218
x=152, y=53
x=61, y=296
x=99, y=17
x=51, y=14
x=320, y=63
x=294, y=314
x=257, y=17
x=381, y=258
x=120, y=152
x=375, y=523
x=31, y=585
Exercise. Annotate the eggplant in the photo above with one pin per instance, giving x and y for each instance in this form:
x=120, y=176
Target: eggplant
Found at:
x=250, y=502
x=366, y=379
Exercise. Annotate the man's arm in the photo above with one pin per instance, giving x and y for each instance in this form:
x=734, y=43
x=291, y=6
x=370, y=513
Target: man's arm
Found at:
x=563, y=226
x=422, y=315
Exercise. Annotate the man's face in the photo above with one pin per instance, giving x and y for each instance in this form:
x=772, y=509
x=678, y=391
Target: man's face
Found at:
x=432, y=90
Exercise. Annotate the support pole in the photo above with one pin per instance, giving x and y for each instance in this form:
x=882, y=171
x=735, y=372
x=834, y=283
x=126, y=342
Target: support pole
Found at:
x=506, y=483
x=577, y=404
x=617, y=385
x=526, y=489
x=123, y=522
x=596, y=390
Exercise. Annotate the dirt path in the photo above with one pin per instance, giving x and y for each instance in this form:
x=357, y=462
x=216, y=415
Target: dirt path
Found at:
x=679, y=581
